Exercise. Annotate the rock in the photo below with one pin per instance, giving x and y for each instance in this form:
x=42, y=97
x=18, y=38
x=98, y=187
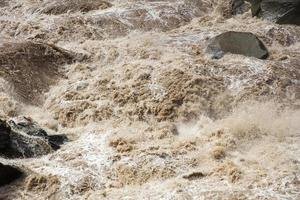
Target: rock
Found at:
x=31, y=67
x=290, y=17
x=193, y=176
x=4, y=136
x=255, y=7
x=279, y=11
x=56, y=7
x=243, y=43
x=240, y=7
x=8, y=174
x=22, y=138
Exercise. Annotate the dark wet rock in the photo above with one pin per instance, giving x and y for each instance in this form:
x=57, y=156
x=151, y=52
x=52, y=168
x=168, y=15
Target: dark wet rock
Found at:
x=8, y=174
x=4, y=136
x=279, y=11
x=240, y=7
x=56, y=7
x=193, y=176
x=237, y=43
x=255, y=7
x=290, y=17
x=22, y=138
x=31, y=67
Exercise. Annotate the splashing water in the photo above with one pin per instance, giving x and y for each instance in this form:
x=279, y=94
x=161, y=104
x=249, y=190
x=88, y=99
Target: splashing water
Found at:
x=148, y=107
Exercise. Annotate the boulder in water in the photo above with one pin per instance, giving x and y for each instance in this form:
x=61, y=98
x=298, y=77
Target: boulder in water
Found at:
x=8, y=174
x=243, y=43
x=22, y=138
x=279, y=11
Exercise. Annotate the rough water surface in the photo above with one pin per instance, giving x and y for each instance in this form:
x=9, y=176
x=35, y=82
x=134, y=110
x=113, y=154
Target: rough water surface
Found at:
x=148, y=113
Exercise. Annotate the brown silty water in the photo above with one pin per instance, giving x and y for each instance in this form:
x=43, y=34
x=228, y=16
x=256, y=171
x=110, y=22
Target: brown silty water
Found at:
x=149, y=114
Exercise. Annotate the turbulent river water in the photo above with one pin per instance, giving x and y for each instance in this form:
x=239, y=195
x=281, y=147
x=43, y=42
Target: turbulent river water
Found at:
x=148, y=113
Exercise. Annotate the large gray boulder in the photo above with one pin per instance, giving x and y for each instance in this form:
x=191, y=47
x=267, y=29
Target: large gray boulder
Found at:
x=243, y=43
x=8, y=174
x=22, y=138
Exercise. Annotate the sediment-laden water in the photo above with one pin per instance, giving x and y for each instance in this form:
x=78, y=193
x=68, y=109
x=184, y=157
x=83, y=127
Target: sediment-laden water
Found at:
x=148, y=113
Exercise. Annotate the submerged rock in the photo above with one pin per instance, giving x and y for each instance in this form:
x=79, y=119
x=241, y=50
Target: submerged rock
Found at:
x=31, y=67
x=243, y=43
x=279, y=11
x=193, y=176
x=22, y=138
x=57, y=7
x=8, y=174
